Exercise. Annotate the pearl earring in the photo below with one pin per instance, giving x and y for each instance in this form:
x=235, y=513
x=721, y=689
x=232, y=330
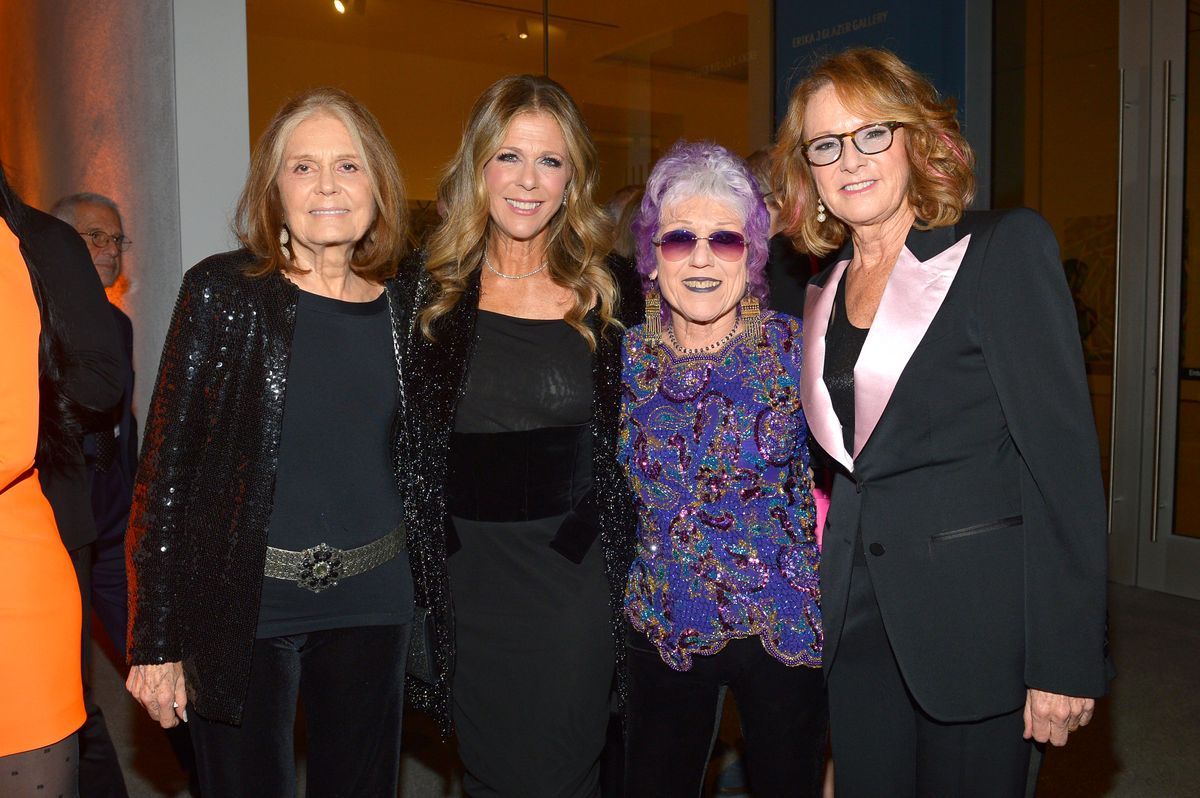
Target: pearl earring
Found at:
x=821, y=217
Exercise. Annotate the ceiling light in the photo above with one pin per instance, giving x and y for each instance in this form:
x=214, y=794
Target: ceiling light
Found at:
x=339, y=6
x=522, y=28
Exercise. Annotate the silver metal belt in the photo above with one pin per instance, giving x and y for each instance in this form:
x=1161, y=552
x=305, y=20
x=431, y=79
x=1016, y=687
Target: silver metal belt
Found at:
x=322, y=566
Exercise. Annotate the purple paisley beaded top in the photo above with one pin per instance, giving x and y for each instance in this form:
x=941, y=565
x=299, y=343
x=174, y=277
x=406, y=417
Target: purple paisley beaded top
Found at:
x=715, y=448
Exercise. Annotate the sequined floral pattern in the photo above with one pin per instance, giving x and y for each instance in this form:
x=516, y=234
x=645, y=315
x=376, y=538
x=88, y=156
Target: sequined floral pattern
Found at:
x=715, y=449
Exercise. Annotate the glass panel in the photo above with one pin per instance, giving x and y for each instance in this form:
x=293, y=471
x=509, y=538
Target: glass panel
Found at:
x=1056, y=92
x=418, y=65
x=644, y=74
x=647, y=74
x=1187, y=471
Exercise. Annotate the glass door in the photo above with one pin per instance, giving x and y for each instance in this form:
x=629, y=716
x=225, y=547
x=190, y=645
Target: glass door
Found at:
x=1169, y=535
x=1097, y=127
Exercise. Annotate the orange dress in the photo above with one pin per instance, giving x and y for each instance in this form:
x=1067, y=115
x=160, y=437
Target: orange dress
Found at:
x=41, y=695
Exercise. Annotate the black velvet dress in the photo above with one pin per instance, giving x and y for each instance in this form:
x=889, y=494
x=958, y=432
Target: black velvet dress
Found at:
x=535, y=657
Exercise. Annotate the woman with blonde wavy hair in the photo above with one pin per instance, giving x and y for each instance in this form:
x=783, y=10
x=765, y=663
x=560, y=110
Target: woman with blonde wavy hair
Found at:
x=520, y=523
x=963, y=560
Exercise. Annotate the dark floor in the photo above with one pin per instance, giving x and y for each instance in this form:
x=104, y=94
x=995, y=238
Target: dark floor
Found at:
x=1144, y=742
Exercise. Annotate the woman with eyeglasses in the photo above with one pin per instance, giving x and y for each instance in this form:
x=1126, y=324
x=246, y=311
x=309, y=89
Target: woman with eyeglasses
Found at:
x=723, y=590
x=963, y=567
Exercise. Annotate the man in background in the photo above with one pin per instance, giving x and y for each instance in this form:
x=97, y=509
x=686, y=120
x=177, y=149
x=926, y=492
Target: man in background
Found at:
x=111, y=453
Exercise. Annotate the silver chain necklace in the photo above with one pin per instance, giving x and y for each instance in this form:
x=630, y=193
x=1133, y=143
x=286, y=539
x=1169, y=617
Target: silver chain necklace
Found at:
x=702, y=350
x=499, y=273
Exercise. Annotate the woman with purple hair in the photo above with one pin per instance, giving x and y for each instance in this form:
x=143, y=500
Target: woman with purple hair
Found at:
x=723, y=590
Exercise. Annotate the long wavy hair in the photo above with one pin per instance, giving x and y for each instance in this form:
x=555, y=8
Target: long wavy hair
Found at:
x=59, y=430
x=579, y=233
x=877, y=86
x=259, y=216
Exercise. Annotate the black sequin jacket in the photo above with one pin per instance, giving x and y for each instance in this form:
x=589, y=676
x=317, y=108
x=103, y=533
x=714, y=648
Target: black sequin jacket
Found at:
x=197, y=538
x=434, y=385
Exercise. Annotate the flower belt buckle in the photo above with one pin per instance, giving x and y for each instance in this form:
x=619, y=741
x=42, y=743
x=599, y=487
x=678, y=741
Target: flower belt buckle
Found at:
x=320, y=568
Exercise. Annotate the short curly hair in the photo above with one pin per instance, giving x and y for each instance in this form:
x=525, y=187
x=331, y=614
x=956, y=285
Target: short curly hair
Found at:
x=704, y=169
x=876, y=85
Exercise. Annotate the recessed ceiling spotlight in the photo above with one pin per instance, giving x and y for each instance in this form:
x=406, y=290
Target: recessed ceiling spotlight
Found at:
x=522, y=28
x=339, y=6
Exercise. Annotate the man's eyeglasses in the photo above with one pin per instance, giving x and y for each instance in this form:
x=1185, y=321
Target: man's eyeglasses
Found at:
x=678, y=244
x=869, y=139
x=101, y=239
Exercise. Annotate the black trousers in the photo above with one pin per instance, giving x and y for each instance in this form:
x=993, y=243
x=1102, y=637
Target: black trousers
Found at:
x=884, y=744
x=352, y=684
x=99, y=769
x=673, y=716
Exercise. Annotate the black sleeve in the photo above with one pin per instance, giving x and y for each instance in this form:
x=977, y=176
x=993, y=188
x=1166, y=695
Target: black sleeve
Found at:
x=1031, y=344
x=95, y=369
x=176, y=427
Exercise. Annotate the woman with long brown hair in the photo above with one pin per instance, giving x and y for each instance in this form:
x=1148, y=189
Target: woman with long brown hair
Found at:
x=266, y=536
x=521, y=525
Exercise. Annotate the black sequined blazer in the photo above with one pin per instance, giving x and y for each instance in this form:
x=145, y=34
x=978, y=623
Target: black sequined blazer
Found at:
x=197, y=538
x=435, y=382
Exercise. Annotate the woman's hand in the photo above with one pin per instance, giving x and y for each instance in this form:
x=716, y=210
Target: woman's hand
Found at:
x=160, y=689
x=1050, y=717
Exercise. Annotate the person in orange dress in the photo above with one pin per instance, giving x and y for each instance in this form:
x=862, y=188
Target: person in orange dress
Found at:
x=41, y=693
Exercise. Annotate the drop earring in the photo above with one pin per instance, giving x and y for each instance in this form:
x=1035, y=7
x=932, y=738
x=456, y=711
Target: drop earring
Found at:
x=653, y=328
x=751, y=317
x=821, y=217
x=284, y=238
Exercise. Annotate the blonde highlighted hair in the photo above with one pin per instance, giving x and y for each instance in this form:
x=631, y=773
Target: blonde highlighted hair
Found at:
x=877, y=86
x=578, y=235
x=259, y=217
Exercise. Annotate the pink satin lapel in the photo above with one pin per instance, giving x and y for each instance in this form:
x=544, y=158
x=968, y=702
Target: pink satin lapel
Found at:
x=913, y=295
x=823, y=423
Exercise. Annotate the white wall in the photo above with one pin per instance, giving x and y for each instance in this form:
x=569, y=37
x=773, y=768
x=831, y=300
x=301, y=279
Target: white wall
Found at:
x=141, y=100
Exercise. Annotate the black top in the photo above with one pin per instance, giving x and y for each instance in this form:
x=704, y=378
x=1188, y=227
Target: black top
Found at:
x=434, y=381
x=525, y=374
x=788, y=273
x=334, y=482
x=843, y=344
x=112, y=472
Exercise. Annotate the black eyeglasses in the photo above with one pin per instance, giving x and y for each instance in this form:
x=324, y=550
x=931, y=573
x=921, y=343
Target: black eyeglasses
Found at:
x=678, y=244
x=869, y=139
x=101, y=239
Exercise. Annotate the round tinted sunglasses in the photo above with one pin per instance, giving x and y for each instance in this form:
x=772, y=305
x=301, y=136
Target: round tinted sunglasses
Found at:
x=678, y=244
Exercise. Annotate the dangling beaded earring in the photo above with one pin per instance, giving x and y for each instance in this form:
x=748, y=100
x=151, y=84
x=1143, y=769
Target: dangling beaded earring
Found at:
x=284, y=238
x=751, y=317
x=821, y=217
x=653, y=329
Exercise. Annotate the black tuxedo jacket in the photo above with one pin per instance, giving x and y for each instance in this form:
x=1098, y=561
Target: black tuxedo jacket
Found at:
x=974, y=475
